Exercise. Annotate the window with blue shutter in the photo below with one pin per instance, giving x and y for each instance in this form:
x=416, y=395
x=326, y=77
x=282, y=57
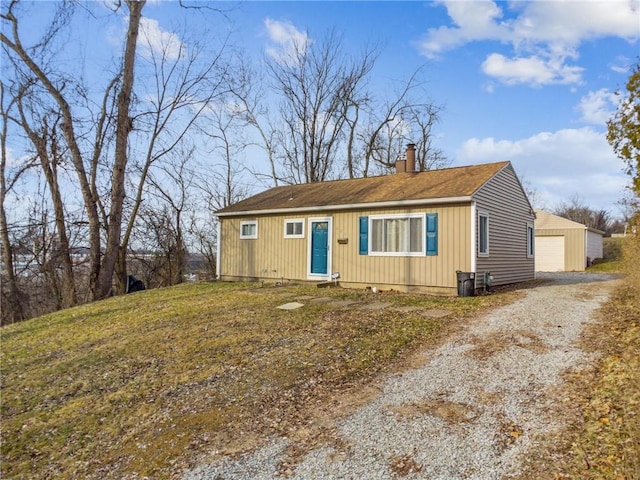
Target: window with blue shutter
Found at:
x=432, y=234
x=364, y=235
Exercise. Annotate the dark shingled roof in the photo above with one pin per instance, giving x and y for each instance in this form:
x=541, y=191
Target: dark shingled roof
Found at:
x=431, y=184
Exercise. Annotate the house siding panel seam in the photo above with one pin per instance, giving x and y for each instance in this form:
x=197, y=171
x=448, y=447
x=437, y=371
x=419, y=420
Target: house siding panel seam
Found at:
x=509, y=212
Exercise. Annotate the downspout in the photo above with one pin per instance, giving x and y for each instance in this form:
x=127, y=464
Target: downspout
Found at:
x=218, y=246
x=473, y=236
x=586, y=248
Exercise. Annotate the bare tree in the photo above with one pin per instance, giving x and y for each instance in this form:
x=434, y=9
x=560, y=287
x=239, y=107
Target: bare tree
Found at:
x=162, y=255
x=174, y=189
x=11, y=305
x=220, y=180
x=186, y=80
x=328, y=122
x=422, y=118
x=101, y=265
x=50, y=152
x=203, y=239
x=315, y=83
x=401, y=119
x=577, y=211
x=379, y=127
x=247, y=95
x=124, y=126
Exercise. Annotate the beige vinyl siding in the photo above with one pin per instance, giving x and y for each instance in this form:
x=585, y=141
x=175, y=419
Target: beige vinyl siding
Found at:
x=503, y=199
x=574, y=254
x=405, y=272
x=271, y=256
x=545, y=220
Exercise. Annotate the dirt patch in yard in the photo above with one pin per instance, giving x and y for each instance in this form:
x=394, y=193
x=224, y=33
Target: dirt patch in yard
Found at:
x=486, y=346
x=403, y=465
x=451, y=412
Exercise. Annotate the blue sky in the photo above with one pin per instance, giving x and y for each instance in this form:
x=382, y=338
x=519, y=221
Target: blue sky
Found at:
x=530, y=82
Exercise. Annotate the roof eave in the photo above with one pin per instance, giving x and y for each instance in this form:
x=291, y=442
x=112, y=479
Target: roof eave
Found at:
x=355, y=206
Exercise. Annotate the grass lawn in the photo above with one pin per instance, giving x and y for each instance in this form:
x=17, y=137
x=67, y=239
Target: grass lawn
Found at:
x=601, y=405
x=607, y=266
x=141, y=385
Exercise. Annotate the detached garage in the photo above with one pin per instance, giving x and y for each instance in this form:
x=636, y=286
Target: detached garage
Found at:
x=563, y=245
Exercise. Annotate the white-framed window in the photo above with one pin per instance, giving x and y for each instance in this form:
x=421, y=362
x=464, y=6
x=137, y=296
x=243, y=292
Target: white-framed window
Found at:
x=530, y=240
x=483, y=234
x=294, y=228
x=397, y=235
x=249, y=230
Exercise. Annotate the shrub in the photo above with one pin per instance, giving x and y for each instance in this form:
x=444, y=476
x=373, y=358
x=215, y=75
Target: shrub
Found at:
x=631, y=253
x=612, y=248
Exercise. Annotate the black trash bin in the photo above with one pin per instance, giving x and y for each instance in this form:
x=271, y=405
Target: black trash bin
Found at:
x=134, y=284
x=466, y=283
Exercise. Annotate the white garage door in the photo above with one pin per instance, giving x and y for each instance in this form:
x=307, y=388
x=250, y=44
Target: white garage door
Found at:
x=549, y=254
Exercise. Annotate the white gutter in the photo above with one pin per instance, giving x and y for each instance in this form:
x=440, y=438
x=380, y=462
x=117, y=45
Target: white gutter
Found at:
x=218, y=246
x=473, y=236
x=352, y=206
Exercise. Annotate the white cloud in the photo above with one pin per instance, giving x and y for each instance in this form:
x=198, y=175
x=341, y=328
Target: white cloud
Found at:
x=473, y=20
x=622, y=65
x=155, y=41
x=558, y=164
x=598, y=107
x=530, y=70
x=544, y=36
x=12, y=160
x=152, y=40
x=287, y=42
x=570, y=22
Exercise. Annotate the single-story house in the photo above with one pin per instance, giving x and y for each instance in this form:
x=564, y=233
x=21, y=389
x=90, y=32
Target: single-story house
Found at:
x=408, y=231
x=563, y=245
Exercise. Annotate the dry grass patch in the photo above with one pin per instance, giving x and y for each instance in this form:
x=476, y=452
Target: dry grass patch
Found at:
x=490, y=344
x=144, y=384
x=451, y=412
x=507, y=433
x=403, y=465
x=601, y=405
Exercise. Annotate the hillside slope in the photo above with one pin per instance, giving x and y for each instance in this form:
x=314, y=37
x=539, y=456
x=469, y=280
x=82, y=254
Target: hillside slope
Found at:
x=140, y=385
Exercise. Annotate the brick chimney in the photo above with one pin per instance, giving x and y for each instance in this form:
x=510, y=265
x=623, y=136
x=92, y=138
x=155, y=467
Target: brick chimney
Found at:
x=411, y=158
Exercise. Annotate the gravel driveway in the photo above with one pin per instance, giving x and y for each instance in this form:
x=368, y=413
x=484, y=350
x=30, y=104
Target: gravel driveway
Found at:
x=471, y=411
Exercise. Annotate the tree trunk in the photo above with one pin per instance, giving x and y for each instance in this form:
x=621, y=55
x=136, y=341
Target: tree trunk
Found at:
x=48, y=162
x=13, y=303
x=123, y=128
x=9, y=281
x=67, y=128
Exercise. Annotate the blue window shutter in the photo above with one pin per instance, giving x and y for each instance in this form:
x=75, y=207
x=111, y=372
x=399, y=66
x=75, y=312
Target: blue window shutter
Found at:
x=432, y=234
x=364, y=235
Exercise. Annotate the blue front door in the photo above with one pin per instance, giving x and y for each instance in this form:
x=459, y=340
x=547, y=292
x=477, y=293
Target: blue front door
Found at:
x=319, y=247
